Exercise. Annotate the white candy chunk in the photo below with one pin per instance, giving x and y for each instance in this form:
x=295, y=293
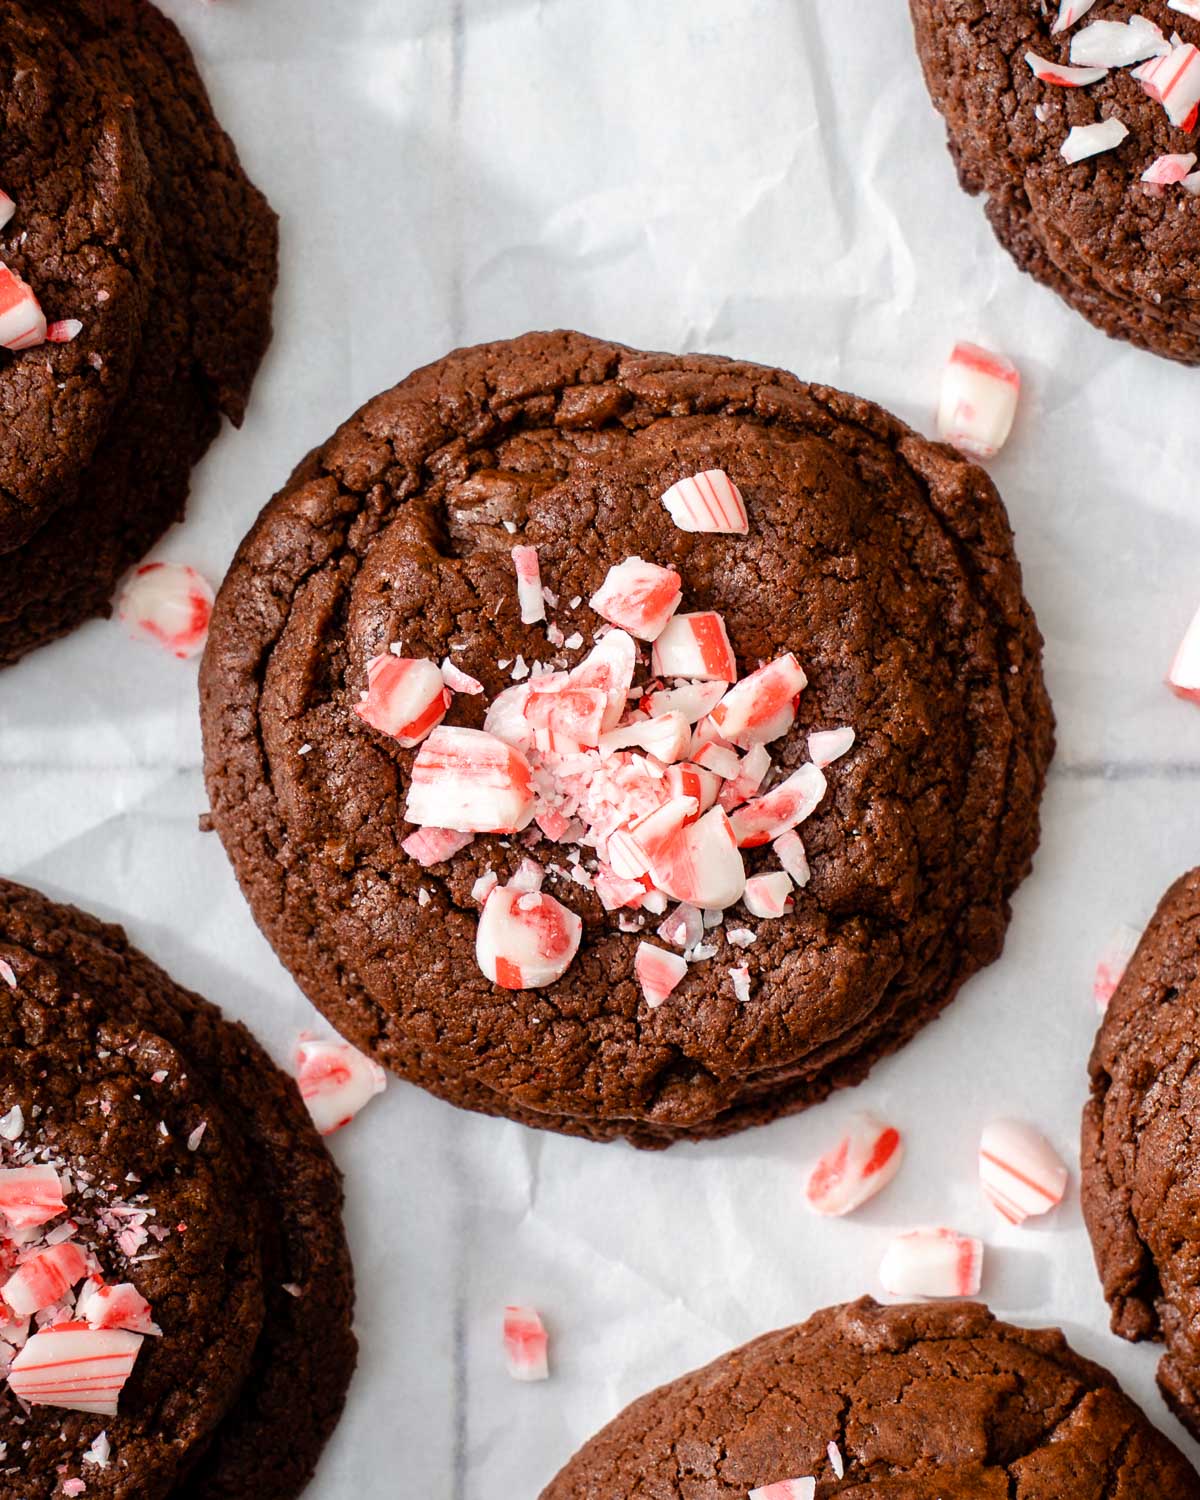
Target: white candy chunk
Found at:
x=406, y=698
x=693, y=700
x=1186, y=8
x=525, y=1344
x=1090, y=140
x=658, y=972
x=526, y=939
x=75, y=1368
x=786, y=1489
x=22, y=321
x=1112, y=963
x=335, y=1080
x=769, y=895
x=932, y=1263
x=169, y=604
x=702, y=864
x=1184, y=676
x=1069, y=12
x=1019, y=1170
x=1117, y=44
x=470, y=781
x=827, y=745
x=707, y=502
x=762, y=706
x=862, y=1162
x=978, y=400
x=691, y=780
x=1164, y=171
x=1059, y=73
x=7, y=209
x=531, y=600
x=790, y=852
x=695, y=646
x=668, y=738
x=639, y=596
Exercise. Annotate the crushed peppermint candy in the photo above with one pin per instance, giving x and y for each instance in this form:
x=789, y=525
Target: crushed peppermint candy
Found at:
x=1118, y=44
x=708, y=502
x=336, y=1080
x=7, y=209
x=7, y=974
x=1183, y=678
x=658, y=972
x=1019, y=1170
x=932, y=1263
x=639, y=597
x=1070, y=11
x=405, y=698
x=1091, y=140
x=526, y=1346
x=978, y=401
x=836, y=1462
x=1174, y=81
x=864, y=1160
x=530, y=597
x=22, y=321
x=1167, y=170
x=169, y=604
x=786, y=1489
x=1059, y=73
x=66, y=331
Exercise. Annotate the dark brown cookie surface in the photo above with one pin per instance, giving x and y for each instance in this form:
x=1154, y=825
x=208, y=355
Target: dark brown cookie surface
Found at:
x=883, y=561
x=1118, y=251
x=247, y=1382
x=923, y=1403
x=1141, y=1180
x=212, y=270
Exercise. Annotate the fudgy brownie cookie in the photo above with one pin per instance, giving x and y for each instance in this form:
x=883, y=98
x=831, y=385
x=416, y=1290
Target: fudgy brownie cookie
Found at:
x=837, y=543
x=1139, y=1186
x=1120, y=249
x=921, y=1402
x=193, y=1180
x=211, y=268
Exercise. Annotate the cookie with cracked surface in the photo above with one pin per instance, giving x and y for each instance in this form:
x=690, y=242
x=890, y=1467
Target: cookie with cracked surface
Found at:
x=1116, y=249
x=212, y=270
x=923, y=1402
x=1139, y=1185
x=883, y=561
x=238, y=1246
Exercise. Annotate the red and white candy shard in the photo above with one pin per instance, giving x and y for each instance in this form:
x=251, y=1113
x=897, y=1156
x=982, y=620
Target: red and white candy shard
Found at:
x=44, y=1279
x=1090, y=140
x=406, y=698
x=769, y=895
x=932, y=1263
x=701, y=864
x=170, y=604
x=1118, y=44
x=7, y=209
x=638, y=596
x=433, y=846
x=1069, y=12
x=529, y=585
x=1110, y=969
x=978, y=400
x=526, y=1346
x=470, y=781
x=1174, y=80
x=525, y=939
x=658, y=972
x=459, y=681
x=1059, y=73
x=786, y=1489
x=609, y=666
x=827, y=745
x=695, y=646
x=22, y=321
x=761, y=707
x=668, y=738
x=694, y=700
x=864, y=1160
x=1021, y=1173
x=75, y=1368
x=122, y=1306
x=780, y=809
x=707, y=502
x=1184, y=677
x=790, y=852
x=66, y=331
x=336, y=1080
x=1169, y=169
x=30, y=1197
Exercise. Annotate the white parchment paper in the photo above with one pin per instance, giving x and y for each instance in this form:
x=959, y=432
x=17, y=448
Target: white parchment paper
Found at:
x=755, y=177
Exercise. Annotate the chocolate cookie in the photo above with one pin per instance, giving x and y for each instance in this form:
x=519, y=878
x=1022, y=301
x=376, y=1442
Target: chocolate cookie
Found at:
x=922, y=1403
x=212, y=270
x=198, y=1185
x=1139, y=1189
x=1120, y=250
x=879, y=563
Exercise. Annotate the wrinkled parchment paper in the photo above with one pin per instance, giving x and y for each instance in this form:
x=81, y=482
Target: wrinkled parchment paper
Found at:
x=763, y=178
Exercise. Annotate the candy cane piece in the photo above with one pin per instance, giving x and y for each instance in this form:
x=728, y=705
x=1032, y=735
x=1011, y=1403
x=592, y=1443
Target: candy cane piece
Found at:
x=709, y=501
x=864, y=1160
x=1019, y=1170
x=769, y=895
x=686, y=779
x=790, y=852
x=459, y=681
x=1111, y=966
x=406, y=698
x=1174, y=80
x=525, y=939
x=658, y=972
x=1184, y=676
x=526, y=1346
x=693, y=700
x=122, y=1306
x=1059, y=73
x=827, y=745
x=336, y=1080
x=682, y=928
x=751, y=773
x=836, y=1462
x=1069, y=12
x=780, y=809
x=932, y=1263
x=433, y=846
x=695, y=646
x=718, y=760
x=1169, y=169
x=1118, y=44
x=574, y=713
x=529, y=585
x=7, y=209
x=1090, y=140
x=22, y=321
x=470, y=781
x=668, y=738
x=761, y=707
x=169, y=604
x=786, y=1489
x=609, y=666
x=44, y=1279
x=638, y=596
x=701, y=864
x=631, y=851
x=1186, y=8
x=978, y=400
x=75, y=1368
x=30, y=1197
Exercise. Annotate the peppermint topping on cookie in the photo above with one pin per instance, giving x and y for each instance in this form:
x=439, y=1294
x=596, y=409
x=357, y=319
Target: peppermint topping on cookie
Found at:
x=336, y=1080
x=864, y=1160
x=707, y=502
x=45, y=1278
x=1166, y=170
x=22, y=321
x=786, y=1489
x=932, y=1263
x=169, y=604
x=1069, y=12
x=1090, y=140
x=530, y=598
x=525, y=1344
x=7, y=209
x=695, y=646
x=1059, y=73
x=1174, y=80
x=639, y=596
x=404, y=698
x=1117, y=44
x=1019, y=1170
x=1183, y=678
x=658, y=972
x=30, y=1197
x=471, y=781
x=525, y=939
x=75, y=1367
x=978, y=400
x=768, y=896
